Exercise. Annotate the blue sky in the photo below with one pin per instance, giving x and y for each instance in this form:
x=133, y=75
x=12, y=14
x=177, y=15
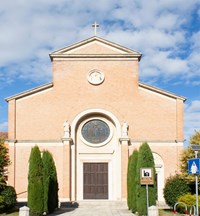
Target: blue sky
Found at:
x=166, y=32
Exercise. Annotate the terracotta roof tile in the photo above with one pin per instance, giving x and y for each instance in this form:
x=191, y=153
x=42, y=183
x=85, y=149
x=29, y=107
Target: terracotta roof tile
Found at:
x=4, y=135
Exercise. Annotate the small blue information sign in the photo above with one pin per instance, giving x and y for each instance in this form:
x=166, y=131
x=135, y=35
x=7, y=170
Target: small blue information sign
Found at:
x=194, y=166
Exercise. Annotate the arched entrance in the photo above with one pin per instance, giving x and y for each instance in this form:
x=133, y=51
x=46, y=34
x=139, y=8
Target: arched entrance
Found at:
x=96, y=156
x=159, y=165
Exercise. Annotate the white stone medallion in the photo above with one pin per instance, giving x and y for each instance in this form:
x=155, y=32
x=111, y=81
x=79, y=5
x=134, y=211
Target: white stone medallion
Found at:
x=95, y=77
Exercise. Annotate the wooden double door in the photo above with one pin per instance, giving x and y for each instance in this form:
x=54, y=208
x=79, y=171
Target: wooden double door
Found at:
x=95, y=180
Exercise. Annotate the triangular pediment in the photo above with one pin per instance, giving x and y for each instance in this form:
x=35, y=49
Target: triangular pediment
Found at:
x=95, y=46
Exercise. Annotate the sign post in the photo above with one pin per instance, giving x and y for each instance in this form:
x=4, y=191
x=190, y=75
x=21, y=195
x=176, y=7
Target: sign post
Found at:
x=194, y=168
x=147, y=178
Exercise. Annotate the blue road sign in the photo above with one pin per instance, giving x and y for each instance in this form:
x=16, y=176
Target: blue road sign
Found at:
x=194, y=166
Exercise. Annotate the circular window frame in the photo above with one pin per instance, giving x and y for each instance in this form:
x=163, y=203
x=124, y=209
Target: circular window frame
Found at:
x=96, y=144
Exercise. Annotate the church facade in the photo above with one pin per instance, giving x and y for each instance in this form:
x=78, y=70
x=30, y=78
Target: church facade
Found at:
x=91, y=117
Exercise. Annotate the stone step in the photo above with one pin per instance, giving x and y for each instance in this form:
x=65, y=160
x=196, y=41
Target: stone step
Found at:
x=102, y=203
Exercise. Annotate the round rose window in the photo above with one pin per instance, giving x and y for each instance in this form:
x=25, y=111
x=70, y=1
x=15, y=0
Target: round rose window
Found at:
x=95, y=131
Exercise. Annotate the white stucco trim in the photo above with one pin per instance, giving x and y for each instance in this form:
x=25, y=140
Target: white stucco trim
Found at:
x=113, y=161
x=99, y=144
x=33, y=91
x=109, y=44
x=158, y=94
x=95, y=111
x=34, y=143
x=96, y=58
x=160, y=169
x=99, y=43
x=153, y=89
x=159, y=144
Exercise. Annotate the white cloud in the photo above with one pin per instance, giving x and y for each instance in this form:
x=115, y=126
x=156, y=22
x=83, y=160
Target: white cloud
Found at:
x=192, y=118
x=160, y=64
x=194, y=107
x=3, y=126
x=30, y=30
x=165, y=13
x=195, y=40
x=38, y=70
x=147, y=40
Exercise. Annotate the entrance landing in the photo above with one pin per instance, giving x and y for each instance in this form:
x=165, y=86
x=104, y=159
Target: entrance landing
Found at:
x=97, y=208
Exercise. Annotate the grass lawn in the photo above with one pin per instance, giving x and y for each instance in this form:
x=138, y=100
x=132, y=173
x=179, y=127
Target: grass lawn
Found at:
x=167, y=212
x=15, y=212
x=10, y=214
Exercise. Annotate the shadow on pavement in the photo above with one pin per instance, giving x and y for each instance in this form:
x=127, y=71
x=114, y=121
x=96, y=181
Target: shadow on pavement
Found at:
x=65, y=207
x=62, y=211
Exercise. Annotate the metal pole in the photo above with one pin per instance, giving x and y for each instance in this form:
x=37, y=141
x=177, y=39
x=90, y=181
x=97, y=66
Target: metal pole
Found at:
x=197, y=195
x=147, y=193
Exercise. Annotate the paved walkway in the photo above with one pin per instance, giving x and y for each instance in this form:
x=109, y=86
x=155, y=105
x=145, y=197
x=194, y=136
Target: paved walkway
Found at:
x=94, y=210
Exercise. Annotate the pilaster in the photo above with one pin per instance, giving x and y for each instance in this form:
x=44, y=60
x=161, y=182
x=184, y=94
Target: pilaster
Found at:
x=12, y=119
x=12, y=166
x=179, y=120
x=66, y=168
x=124, y=165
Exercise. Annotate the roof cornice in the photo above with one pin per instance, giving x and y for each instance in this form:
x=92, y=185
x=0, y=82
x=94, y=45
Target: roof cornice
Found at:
x=93, y=56
x=161, y=91
x=129, y=53
x=49, y=85
x=30, y=91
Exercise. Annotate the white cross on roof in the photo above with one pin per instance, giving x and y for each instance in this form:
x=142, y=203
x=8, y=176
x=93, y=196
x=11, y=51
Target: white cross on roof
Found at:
x=95, y=26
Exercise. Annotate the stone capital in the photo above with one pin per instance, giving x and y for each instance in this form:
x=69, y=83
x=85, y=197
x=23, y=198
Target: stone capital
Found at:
x=11, y=142
x=67, y=141
x=124, y=141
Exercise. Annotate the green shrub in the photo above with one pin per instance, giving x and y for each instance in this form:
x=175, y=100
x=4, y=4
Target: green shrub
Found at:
x=10, y=197
x=145, y=159
x=4, y=162
x=1, y=203
x=175, y=187
x=189, y=199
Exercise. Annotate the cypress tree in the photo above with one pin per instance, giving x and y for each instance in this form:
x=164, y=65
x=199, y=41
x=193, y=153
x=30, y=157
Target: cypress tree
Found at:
x=134, y=183
x=129, y=183
x=45, y=160
x=35, y=183
x=145, y=159
x=50, y=183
